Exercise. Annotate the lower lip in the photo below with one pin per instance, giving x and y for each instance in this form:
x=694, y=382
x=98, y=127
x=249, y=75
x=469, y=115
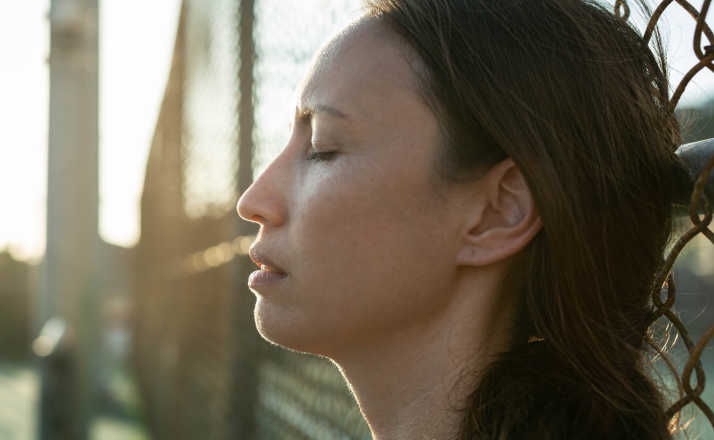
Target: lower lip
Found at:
x=263, y=277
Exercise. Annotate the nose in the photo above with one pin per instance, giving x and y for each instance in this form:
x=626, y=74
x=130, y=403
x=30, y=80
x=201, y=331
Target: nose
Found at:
x=264, y=200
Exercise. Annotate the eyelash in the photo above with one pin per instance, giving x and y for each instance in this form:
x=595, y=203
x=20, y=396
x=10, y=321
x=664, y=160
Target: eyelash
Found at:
x=321, y=156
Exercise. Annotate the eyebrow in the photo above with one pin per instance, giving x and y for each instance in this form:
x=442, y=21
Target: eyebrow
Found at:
x=321, y=108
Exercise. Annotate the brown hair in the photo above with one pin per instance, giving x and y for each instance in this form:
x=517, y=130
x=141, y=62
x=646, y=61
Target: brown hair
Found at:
x=571, y=93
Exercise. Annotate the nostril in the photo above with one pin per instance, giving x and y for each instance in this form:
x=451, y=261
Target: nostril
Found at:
x=249, y=212
x=256, y=219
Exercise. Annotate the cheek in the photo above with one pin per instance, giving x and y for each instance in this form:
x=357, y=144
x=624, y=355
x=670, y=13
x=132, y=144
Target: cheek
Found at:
x=369, y=260
x=376, y=257
x=358, y=219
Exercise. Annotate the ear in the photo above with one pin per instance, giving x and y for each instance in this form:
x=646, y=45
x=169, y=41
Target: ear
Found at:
x=504, y=221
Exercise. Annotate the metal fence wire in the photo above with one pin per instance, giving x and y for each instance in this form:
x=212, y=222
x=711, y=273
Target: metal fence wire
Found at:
x=203, y=371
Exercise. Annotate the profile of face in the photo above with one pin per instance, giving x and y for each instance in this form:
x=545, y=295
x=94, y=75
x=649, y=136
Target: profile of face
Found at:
x=349, y=209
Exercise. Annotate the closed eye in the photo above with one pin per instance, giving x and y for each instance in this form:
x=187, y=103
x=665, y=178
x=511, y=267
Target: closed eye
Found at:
x=321, y=156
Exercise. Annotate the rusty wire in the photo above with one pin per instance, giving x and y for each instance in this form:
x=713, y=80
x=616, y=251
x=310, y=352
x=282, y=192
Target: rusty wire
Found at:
x=699, y=202
x=700, y=214
x=704, y=54
x=622, y=9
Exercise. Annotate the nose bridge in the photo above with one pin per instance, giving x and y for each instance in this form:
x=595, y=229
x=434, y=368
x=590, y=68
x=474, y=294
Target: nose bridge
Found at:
x=265, y=199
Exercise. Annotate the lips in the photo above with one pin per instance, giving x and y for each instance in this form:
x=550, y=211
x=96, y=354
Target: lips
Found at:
x=263, y=262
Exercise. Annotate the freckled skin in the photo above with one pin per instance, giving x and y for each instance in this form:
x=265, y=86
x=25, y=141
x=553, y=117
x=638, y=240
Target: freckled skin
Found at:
x=364, y=237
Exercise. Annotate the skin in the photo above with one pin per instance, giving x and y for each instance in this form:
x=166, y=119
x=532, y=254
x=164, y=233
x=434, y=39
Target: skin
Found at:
x=395, y=282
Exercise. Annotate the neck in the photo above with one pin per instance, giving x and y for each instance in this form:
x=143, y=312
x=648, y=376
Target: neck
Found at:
x=414, y=384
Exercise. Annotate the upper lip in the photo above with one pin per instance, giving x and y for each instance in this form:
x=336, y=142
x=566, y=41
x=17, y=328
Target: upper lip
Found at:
x=260, y=259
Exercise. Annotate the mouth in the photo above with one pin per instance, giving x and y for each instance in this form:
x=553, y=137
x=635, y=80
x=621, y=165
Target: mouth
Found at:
x=263, y=262
x=270, y=269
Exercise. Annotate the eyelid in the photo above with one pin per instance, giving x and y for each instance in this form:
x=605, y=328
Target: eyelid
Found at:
x=321, y=156
x=322, y=151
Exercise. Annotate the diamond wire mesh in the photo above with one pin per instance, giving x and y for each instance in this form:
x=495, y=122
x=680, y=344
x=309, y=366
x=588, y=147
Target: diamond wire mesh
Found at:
x=210, y=85
x=700, y=214
x=182, y=315
x=288, y=33
x=189, y=254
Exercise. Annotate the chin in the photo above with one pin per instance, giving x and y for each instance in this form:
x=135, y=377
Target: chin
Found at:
x=287, y=330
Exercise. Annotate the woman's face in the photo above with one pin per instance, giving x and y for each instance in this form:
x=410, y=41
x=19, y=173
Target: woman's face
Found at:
x=366, y=242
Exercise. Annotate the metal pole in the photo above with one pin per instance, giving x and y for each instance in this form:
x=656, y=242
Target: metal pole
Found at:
x=246, y=119
x=696, y=156
x=246, y=340
x=68, y=342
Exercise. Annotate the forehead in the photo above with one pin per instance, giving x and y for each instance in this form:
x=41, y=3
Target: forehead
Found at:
x=363, y=69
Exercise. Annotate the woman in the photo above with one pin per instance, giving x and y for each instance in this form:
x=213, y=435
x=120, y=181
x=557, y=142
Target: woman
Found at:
x=468, y=217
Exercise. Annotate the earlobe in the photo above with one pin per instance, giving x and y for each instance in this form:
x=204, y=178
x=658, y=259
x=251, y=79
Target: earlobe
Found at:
x=506, y=220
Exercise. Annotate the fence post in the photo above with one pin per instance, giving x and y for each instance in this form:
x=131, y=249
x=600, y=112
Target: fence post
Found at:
x=68, y=282
x=245, y=339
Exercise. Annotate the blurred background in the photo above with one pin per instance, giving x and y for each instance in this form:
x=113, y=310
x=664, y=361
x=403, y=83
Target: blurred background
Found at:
x=128, y=130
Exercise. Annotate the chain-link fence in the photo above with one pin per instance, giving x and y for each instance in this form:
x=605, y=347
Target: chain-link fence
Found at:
x=203, y=370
